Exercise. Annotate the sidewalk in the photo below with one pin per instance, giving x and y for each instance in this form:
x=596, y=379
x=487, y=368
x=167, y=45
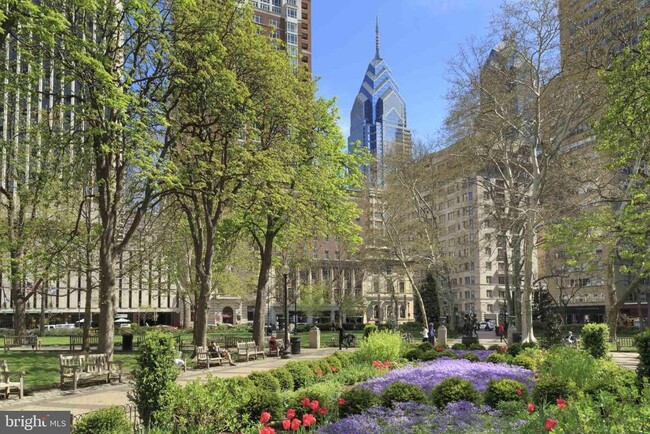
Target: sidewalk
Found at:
x=94, y=397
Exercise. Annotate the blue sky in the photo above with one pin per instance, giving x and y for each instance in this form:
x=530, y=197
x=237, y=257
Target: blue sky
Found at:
x=418, y=38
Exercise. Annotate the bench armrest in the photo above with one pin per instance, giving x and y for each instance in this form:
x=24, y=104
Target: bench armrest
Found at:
x=119, y=363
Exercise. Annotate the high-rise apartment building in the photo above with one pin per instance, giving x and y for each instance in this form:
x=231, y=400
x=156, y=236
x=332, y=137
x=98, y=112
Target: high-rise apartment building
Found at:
x=378, y=117
x=290, y=21
x=592, y=32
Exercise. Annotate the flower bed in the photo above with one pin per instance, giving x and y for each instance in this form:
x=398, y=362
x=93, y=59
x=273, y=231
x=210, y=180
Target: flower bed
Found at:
x=482, y=354
x=411, y=418
x=428, y=375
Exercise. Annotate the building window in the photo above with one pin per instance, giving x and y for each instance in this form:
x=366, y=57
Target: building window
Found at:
x=488, y=251
x=292, y=39
x=502, y=266
x=490, y=308
x=488, y=280
x=502, y=280
x=292, y=12
x=292, y=27
x=467, y=280
x=468, y=294
x=488, y=266
x=274, y=23
x=257, y=19
x=401, y=287
x=490, y=293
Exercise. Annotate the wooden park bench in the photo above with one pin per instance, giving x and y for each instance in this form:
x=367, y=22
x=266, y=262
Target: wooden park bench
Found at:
x=205, y=358
x=77, y=341
x=625, y=342
x=22, y=341
x=89, y=366
x=11, y=382
x=253, y=351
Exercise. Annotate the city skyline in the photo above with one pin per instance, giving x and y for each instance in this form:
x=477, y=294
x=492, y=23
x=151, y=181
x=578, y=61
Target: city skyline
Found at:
x=418, y=40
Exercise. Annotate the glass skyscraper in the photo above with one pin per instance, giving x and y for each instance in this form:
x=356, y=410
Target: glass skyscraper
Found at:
x=378, y=116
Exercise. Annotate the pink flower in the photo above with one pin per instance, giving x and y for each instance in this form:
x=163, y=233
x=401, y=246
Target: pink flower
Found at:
x=561, y=403
x=340, y=401
x=314, y=405
x=265, y=417
x=531, y=408
x=267, y=430
x=519, y=392
x=291, y=413
x=305, y=402
x=286, y=424
x=333, y=369
x=295, y=424
x=322, y=410
x=550, y=424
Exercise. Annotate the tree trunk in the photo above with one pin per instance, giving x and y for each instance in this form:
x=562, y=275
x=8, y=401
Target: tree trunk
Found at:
x=18, y=294
x=527, y=333
x=87, y=309
x=266, y=260
x=201, y=314
x=106, y=298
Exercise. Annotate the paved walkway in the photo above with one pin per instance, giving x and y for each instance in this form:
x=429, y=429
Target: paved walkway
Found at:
x=94, y=397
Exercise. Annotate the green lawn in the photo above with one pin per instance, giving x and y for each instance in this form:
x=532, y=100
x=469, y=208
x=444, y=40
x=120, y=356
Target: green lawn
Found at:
x=42, y=368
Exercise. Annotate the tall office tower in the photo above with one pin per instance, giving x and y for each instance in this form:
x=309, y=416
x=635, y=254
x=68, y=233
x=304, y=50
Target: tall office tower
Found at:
x=290, y=21
x=378, y=116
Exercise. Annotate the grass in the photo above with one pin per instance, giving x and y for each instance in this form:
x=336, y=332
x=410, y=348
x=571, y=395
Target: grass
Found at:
x=42, y=368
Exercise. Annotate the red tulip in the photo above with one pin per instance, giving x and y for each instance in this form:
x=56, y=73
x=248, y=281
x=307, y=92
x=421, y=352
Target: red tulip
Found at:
x=561, y=403
x=340, y=401
x=265, y=417
x=550, y=424
x=291, y=413
x=531, y=407
x=267, y=430
x=286, y=424
x=308, y=419
x=305, y=402
x=295, y=424
x=322, y=410
x=314, y=405
x=519, y=392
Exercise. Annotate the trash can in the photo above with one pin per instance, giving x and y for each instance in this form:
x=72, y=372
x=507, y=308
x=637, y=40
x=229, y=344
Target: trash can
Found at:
x=295, y=345
x=127, y=342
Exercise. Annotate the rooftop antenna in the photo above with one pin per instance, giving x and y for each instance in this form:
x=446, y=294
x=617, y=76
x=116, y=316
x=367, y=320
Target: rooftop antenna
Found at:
x=377, y=40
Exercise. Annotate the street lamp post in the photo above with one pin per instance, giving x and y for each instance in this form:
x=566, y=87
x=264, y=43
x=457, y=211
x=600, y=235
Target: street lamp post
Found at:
x=285, y=274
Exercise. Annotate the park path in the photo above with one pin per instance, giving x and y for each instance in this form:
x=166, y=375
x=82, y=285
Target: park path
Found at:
x=94, y=397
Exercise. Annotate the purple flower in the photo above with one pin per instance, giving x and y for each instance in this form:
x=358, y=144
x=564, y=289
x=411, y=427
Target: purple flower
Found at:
x=357, y=424
x=430, y=374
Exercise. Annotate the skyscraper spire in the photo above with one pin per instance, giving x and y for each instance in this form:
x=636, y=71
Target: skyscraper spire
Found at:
x=377, y=40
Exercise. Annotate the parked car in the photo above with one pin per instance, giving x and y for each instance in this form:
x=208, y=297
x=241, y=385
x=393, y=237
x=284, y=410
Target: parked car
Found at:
x=486, y=325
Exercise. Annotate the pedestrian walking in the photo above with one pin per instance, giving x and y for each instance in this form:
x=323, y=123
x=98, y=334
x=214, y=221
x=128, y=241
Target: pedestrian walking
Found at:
x=500, y=330
x=432, y=334
x=425, y=334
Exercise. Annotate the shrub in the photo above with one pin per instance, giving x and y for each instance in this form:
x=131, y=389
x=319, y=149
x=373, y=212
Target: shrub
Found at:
x=497, y=358
x=430, y=355
x=155, y=373
x=402, y=392
x=345, y=357
x=476, y=347
x=613, y=379
x=284, y=377
x=333, y=361
x=356, y=373
x=570, y=364
x=511, y=409
x=548, y=389
x=298, y=371
x=381, y=345
x=357, y=401
x=220, y=405
x=458, y=347
x=525, y=362
x=494, y=347
x=594, y=339
x=447, y=354
x=503, y=390
x=514, y=349
x=264, y=400
x=454, y=389
x=471, y=357
x=109, y=420
x=426, y=346
x=369, y=329
x=265, y=380
x=414, y=354
x=526, y=345
x=642, y=341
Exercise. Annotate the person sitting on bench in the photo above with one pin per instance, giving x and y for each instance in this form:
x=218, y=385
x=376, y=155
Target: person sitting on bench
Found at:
x=214, y=351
